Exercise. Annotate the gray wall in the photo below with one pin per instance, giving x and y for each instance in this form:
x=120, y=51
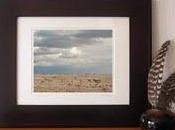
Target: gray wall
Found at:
x=163, y=28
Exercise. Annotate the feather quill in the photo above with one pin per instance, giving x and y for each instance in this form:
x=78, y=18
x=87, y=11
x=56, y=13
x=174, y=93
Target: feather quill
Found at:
x=155, y=75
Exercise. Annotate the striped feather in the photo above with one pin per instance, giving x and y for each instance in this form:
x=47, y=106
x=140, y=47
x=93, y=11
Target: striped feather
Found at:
x=155, y=75
x=167, y=95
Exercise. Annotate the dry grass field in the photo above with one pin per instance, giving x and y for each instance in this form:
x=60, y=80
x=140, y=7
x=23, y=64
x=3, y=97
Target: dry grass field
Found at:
x=73, y=83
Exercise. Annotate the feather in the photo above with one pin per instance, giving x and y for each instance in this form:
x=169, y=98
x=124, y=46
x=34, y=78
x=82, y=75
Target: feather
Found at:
x=155, y=75
x=167, y=95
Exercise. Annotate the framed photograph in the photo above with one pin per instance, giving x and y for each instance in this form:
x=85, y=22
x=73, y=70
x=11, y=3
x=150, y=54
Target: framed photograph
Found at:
x=68, y=58
x=73, y=63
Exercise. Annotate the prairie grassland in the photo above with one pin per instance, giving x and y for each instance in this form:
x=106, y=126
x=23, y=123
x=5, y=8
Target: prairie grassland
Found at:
x=73, y=83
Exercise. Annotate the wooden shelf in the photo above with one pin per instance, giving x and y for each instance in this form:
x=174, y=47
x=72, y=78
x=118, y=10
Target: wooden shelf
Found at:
x=70, y=129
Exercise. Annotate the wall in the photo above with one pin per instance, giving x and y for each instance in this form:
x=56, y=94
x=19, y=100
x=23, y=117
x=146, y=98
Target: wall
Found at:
x=163, y=28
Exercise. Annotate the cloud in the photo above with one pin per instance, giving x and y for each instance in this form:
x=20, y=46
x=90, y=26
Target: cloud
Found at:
x=69, y=51
x=93, y=34
x=75, y=56
x=73, y=52
x=45, y=50
x=54, y=56
x=69, y=38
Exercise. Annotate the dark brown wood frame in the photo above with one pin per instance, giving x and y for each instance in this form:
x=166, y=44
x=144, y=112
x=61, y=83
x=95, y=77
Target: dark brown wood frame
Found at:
x=12, y=115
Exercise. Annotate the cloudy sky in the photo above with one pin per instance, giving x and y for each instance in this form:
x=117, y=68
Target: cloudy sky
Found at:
x=72, y=51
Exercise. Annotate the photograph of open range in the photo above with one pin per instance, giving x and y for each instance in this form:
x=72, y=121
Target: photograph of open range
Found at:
x=72, y=60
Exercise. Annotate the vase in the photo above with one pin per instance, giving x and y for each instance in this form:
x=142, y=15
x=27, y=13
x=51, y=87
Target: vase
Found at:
x=155, y=119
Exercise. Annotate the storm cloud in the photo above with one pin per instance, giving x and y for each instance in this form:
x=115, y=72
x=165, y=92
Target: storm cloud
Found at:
x=69, y=38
